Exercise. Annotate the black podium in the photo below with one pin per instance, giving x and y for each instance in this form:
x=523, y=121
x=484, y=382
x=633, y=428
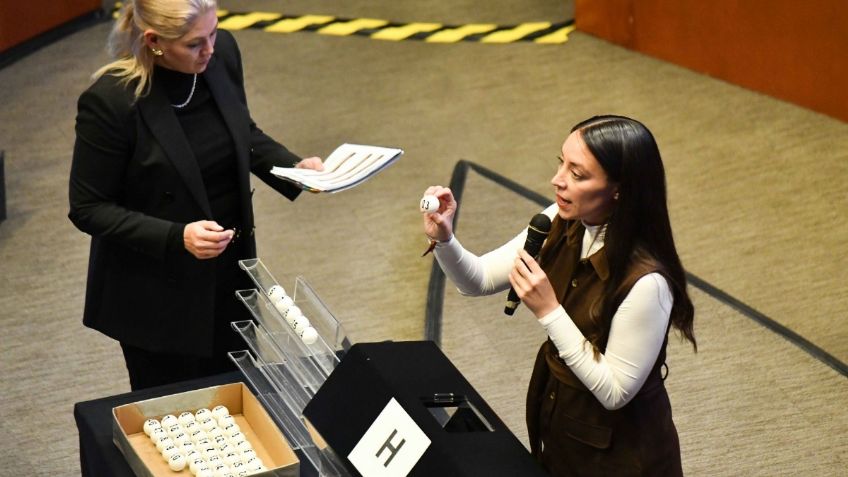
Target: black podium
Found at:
x=396, y=407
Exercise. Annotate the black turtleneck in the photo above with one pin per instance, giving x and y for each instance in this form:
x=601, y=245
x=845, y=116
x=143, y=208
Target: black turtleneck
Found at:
x=209, y=138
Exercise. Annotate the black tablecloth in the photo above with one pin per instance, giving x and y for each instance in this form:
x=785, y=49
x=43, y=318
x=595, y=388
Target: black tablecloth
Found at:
x=99, y=457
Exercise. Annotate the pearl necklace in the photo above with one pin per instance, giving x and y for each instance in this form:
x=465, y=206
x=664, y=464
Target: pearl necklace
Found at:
x=190, y=95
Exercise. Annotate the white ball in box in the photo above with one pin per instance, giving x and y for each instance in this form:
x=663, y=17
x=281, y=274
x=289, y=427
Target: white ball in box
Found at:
x=253, y=421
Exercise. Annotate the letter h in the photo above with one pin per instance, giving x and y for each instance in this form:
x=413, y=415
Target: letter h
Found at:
x=393, y=449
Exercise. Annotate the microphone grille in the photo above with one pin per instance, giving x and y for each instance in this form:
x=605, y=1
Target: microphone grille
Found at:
x=542, y=223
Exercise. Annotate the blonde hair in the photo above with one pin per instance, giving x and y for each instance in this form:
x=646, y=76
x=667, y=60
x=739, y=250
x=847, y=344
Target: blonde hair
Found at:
x=170, y=19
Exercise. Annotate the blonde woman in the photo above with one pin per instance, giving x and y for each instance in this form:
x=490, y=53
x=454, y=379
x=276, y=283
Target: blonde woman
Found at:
x=160, y=180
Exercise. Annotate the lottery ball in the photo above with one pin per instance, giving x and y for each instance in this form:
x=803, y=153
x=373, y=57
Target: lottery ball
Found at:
x=207, y=424
x=170, y=451
x=177, y=462
x=204, y=472
x=163, y=443
x=276, y=292
x=299, y=324
x=237, y=437
x=185, y=418
x=231, y=429
x=309, y=335
x=243, y=447
x=220, y=411
x=429, y=204
x=157, y=434
x=292, y=314
x=225, y=421
x=169, y=421
x=151, y=424
x=283, y=304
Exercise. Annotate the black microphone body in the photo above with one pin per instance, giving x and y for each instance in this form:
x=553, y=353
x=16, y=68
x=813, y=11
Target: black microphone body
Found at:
x=537, y=232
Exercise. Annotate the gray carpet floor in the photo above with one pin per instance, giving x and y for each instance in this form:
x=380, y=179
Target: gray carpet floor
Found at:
x=757, y=192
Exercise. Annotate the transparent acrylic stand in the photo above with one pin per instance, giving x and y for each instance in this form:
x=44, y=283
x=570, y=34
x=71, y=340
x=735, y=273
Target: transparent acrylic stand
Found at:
x=286, y=371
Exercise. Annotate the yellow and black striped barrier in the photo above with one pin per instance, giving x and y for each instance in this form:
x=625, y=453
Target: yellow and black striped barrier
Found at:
x=535, y=32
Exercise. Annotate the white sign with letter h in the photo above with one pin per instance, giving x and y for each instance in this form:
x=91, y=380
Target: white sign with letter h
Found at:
x=391, y=446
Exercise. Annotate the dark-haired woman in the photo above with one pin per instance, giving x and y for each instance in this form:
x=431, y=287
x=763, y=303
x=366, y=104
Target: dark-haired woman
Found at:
x=161, y=181
x=607, y=288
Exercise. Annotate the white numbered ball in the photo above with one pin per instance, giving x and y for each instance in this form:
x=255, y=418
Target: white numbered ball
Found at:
x=225, y=421
x=151, y=424
x=169, y=420
x=158, y=433
x=207, y=424
x=231, y=458
x=220, y=411
x=276, y=292
x=177, y=462
x=309, y=335
x=174, y=430
x=300, y=324
x=196, y=463
x=292, y=313
x=243, y=447
x=185, y=446
x=170, y=451
x=429, y=204
x=220, y=470
x=283, y=304
x=205, y=472
x=209, y=453
x=163, y=442
x=202, y=414
x=248, y=454
x=185, y=417
x=237, y=437
x=231, y=429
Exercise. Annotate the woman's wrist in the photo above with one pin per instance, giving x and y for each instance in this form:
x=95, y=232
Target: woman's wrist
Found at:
x=435, y=242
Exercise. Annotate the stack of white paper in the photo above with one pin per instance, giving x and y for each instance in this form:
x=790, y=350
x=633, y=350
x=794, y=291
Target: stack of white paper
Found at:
x=346, y=167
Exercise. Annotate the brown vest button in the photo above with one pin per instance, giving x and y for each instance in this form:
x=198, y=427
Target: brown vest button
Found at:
x=574, y=283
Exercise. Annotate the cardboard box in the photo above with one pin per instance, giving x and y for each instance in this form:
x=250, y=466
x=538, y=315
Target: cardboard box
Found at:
x=146, y=461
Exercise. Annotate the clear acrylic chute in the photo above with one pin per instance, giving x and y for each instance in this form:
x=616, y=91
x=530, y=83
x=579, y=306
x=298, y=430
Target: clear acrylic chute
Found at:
x=285, y=370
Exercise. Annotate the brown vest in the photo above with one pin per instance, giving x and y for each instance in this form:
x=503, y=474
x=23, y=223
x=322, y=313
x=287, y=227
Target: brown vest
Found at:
x=570, y=432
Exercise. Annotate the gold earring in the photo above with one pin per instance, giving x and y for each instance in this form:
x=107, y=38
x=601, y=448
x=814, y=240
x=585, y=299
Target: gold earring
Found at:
x=157, y=52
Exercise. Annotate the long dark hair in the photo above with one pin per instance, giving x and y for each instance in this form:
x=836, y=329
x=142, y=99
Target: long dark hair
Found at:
x=638, y=232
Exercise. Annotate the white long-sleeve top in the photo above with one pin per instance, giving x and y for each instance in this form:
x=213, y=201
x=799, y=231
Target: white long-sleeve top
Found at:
x=638, y=327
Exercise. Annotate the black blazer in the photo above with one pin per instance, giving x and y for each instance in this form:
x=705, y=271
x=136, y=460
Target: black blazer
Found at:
x=133, y=177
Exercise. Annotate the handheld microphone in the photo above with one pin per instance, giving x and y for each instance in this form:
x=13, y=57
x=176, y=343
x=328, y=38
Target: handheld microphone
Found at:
x=537, y=232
